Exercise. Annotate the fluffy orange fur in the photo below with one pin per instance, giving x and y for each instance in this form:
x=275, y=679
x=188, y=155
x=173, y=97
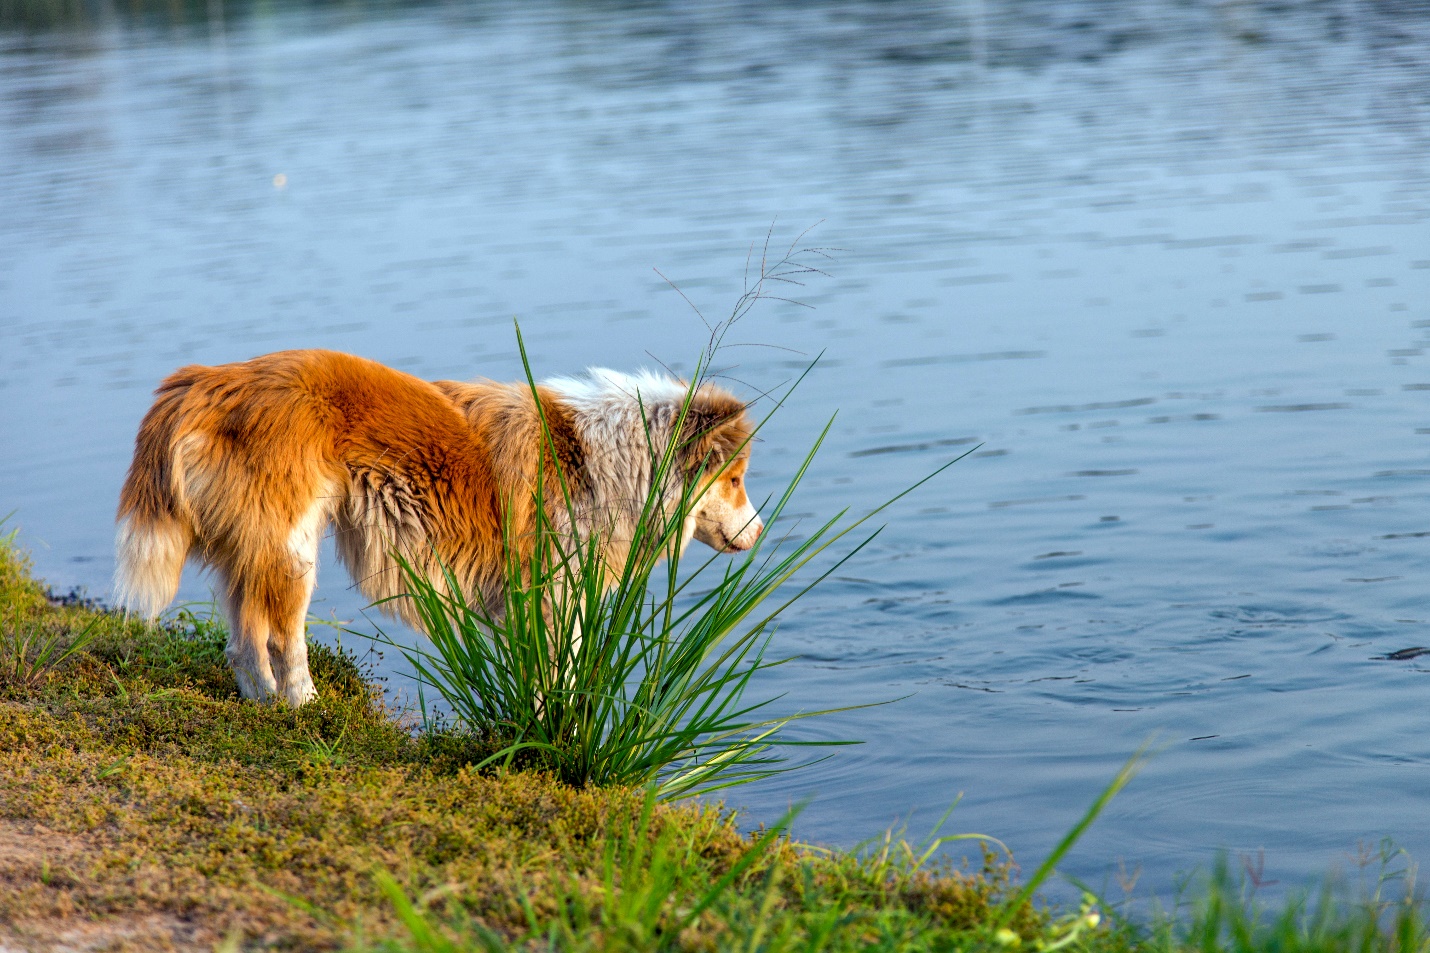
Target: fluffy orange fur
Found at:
x=245, y=465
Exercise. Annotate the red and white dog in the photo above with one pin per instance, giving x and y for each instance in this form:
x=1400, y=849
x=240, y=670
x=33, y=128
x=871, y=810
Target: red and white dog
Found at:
x=244, y=466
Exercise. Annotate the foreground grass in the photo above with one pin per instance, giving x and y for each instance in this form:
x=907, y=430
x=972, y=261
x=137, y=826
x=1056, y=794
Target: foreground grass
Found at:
x=143, y=806
x=137, y=790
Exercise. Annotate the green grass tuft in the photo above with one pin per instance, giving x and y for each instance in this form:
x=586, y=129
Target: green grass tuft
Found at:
x=622, y=670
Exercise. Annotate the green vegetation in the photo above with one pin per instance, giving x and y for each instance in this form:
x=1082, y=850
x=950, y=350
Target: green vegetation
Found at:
x=144, y=806
x=139, y=794
x=605, y=664
x=1386, y=915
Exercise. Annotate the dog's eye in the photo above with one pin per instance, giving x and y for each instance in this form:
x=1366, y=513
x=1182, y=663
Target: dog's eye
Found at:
x=734, y=481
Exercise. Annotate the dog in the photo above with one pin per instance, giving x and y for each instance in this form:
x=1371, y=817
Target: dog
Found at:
x=244, y=466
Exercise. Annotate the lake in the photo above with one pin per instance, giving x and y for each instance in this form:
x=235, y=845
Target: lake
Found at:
x=1165, y=265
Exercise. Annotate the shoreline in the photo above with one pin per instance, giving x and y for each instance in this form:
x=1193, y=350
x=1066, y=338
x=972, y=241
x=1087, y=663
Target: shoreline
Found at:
x=144, y=806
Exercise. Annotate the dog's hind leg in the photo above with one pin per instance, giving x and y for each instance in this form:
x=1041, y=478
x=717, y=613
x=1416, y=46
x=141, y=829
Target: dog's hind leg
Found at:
x=249, y=627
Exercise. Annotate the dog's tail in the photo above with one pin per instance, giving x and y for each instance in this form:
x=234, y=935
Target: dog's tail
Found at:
x=154, y=536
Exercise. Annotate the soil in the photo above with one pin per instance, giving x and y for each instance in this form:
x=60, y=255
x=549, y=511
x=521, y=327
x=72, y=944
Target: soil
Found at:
x=33, y=860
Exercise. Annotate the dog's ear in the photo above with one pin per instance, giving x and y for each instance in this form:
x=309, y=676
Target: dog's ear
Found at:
x=715, y=429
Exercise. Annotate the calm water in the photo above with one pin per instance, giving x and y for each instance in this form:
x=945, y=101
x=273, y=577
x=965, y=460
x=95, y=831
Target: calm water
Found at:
x=1168, y=262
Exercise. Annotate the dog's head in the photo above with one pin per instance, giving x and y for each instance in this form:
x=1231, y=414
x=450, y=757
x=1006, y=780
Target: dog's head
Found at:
x=617, y=414
x=715, y=453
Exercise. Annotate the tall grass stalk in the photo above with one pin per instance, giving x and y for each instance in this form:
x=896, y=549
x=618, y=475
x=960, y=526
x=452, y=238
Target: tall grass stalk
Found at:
x=622, y=669
x=629, y=673
x=1049, y=865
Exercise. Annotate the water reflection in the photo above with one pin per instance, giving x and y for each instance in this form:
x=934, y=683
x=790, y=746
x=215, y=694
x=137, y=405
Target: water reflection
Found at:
x=1166, y=263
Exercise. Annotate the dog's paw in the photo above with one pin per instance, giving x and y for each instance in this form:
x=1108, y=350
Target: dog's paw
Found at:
x=299, y=690
x=259, y=686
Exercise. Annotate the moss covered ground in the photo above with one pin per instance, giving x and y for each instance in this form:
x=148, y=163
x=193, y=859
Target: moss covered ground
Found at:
x=143, y=805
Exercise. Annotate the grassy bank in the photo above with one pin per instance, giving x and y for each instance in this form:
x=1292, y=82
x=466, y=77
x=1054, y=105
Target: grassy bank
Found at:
x=143, y=806
x=143, y=803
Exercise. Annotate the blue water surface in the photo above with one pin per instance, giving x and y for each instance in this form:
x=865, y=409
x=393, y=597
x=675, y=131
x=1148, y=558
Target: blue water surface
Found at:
x=1165, y=264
